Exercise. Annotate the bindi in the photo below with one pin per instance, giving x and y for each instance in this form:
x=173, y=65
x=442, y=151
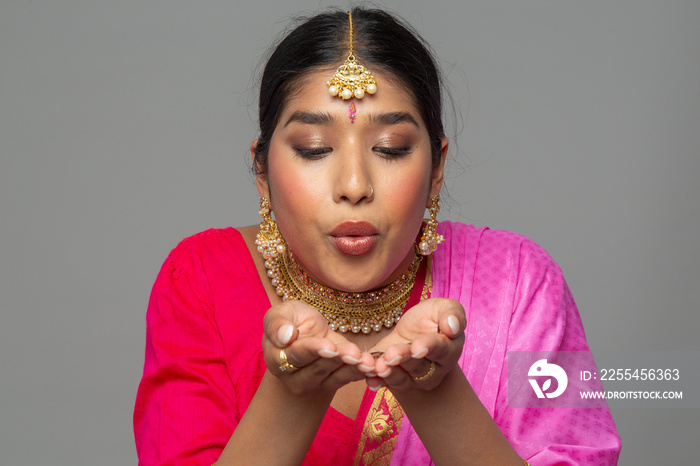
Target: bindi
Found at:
x=352, y=112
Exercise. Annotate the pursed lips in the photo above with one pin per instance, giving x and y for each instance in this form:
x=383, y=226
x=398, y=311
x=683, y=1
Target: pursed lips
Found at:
x=355, y=238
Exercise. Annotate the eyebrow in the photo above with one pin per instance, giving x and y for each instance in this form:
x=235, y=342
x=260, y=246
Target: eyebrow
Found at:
x=324, y=118
x=311, y=118
x=393, y=118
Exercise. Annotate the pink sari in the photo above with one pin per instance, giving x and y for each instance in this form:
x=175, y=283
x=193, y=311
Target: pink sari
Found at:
x=516, y=299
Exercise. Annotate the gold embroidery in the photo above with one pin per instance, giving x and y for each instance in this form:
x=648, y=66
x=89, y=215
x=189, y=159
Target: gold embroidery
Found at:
x=380, y=456
x=381, y=427
x=379, y=424
x=395, y=409
x=380, y=430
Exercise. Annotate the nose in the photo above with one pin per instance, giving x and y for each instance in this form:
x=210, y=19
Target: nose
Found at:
x=353, y=180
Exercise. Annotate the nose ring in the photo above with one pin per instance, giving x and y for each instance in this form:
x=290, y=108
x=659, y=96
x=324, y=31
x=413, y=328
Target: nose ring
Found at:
x=371, y=191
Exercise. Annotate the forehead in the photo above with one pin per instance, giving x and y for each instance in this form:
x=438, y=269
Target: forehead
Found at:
x=312, y=95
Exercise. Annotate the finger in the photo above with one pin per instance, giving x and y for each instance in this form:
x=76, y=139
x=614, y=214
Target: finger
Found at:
x=280, y=331
x=436, y=347
x=339, y=377
x=382, y=369
x=417, y=367
x=300, y=353
x=349, y=353
x=375, y=383
x=312, y=377
x=393, y=356
x=326, y=348
x=414, y=373
x=396, y=354
x=452, y=323
x=287, y=321
x=327, y=353
x=412, y=366
x=396, y=378
x=367, y=364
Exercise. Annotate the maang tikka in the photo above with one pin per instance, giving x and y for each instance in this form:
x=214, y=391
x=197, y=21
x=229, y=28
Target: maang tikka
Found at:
x=351, y=79
x=430, y=239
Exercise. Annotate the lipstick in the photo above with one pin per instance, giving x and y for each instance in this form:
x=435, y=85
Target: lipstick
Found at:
x=355, y=238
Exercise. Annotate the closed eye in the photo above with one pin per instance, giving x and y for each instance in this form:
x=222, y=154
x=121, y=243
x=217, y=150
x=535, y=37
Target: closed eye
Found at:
x=392, y=152
x=312, y=153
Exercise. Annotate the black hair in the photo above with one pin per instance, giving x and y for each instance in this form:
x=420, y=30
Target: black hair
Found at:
x=381, y=42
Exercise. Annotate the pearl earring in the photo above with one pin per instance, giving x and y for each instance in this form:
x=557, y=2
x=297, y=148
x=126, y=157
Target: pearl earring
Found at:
x=430, y=239
x=269, y=241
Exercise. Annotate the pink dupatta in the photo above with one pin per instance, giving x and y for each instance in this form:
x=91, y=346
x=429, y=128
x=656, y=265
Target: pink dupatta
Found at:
x=515, y=298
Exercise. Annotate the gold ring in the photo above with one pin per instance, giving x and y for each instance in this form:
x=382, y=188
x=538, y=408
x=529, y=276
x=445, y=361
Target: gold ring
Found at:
x=428, y=374
x=285, y=365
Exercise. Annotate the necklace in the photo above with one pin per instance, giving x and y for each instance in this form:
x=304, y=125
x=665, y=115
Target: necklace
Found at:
x=344, y=311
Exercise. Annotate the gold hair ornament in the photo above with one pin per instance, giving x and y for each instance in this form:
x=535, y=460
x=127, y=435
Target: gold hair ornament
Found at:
x=351, y=79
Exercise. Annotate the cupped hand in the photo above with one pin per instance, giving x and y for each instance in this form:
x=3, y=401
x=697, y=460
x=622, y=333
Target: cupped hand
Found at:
x=325, y=360
x=425, y=344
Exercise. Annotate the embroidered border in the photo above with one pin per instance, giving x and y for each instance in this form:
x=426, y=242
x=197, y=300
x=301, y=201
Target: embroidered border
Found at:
x=381, y=428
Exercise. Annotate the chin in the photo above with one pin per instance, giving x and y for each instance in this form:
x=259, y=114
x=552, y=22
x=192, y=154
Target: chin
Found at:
x=359, y=286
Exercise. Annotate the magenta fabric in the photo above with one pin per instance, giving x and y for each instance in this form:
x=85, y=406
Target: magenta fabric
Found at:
x=515, y=299
x=204, y=358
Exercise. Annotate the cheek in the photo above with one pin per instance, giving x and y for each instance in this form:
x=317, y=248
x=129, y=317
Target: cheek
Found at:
x=296, y=189
x=408, y=192
x=285, y=180
x=287, y=185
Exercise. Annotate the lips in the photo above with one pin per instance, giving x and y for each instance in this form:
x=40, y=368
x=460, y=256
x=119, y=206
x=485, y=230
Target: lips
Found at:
x=355, y=238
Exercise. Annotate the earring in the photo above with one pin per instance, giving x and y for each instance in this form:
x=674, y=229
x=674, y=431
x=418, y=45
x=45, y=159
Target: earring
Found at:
x=430, y=239
x=269, y=240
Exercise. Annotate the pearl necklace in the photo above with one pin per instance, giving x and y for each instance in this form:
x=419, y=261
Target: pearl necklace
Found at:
x=356, y=312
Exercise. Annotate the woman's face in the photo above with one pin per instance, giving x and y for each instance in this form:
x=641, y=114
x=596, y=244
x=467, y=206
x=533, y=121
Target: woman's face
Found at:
x=349, y=197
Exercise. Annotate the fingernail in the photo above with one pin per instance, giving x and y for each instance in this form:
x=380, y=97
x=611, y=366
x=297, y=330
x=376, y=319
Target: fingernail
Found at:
x=364, y=367
x=394, y=361
x=453, y=323
x=370, y=374
x=325, y=353
x=284, y=334
x=374, y=389
x=385, y=373
x=350, y=360
x=420, y=353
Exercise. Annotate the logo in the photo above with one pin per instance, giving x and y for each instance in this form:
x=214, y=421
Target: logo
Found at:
x=543, y=369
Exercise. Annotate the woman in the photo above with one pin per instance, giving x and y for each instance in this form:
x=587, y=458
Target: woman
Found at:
x=350, y=154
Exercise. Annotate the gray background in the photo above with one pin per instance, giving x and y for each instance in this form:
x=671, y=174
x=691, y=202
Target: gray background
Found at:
x=125, y=126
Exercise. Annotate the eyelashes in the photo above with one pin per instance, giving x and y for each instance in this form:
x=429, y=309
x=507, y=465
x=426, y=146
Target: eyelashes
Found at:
x=312, y=153
x=315, y=153
x=393, y=152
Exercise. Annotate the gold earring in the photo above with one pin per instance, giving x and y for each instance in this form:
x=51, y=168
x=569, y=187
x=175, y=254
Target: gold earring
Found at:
x=269, y=240
x=430, y=239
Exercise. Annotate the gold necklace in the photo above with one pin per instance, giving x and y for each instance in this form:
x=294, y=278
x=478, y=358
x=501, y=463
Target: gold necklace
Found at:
x=344, y=311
